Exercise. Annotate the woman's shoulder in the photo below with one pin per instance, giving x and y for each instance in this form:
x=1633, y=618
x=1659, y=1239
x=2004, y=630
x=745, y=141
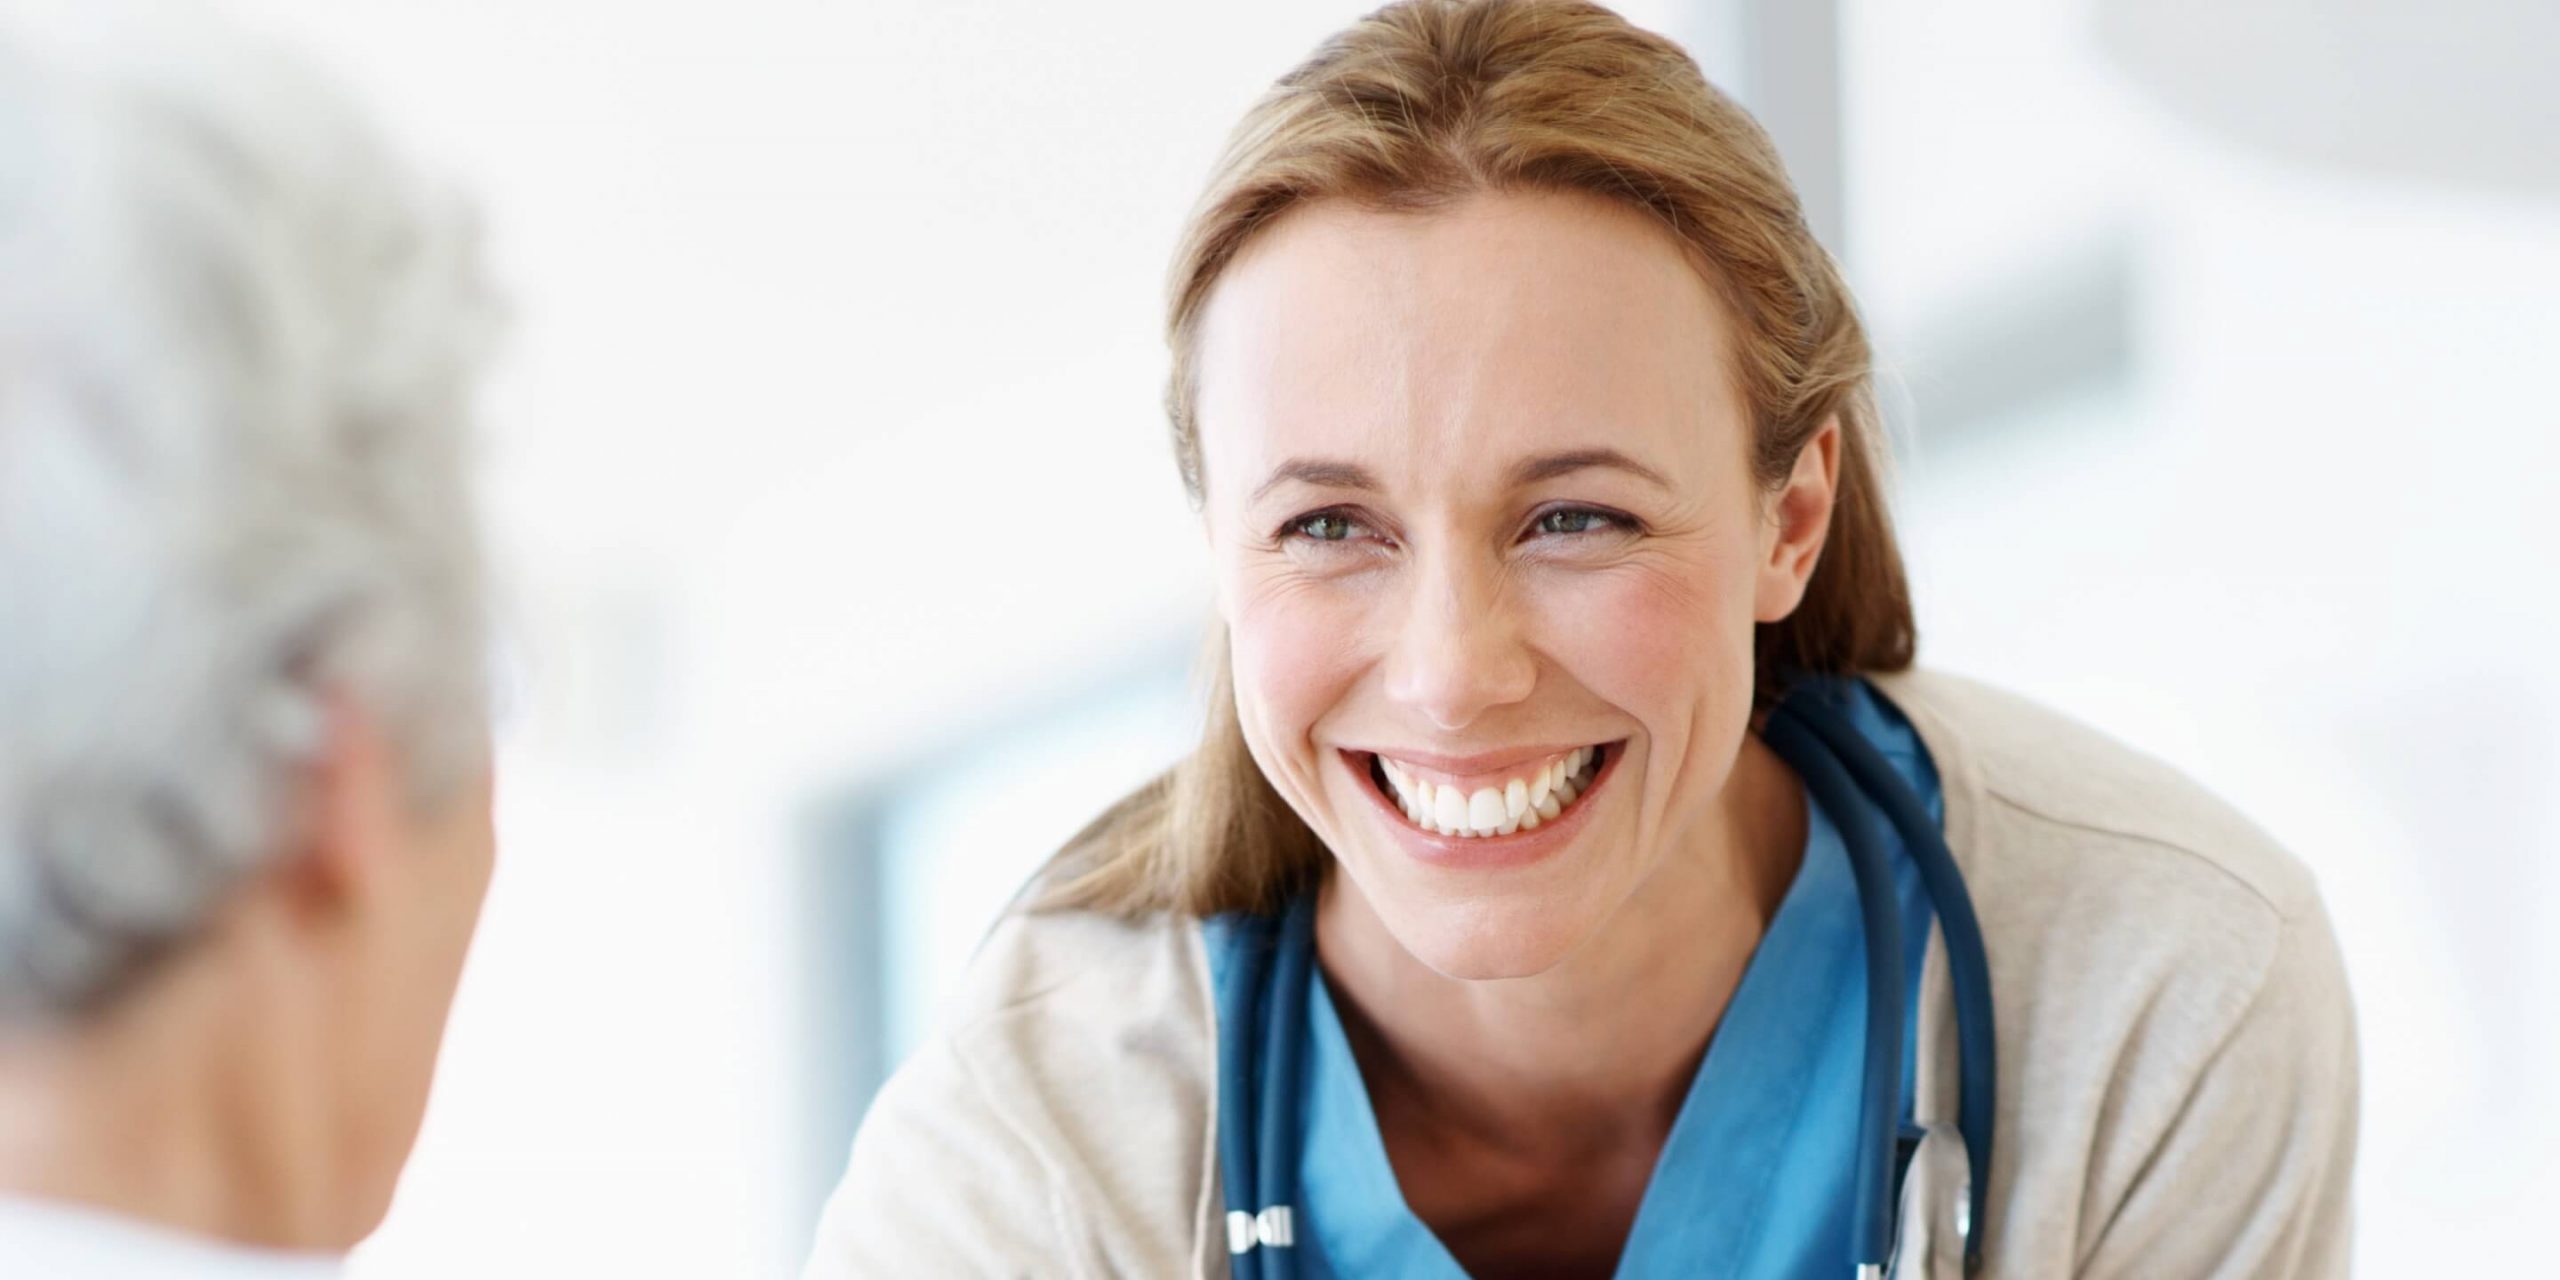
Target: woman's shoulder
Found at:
x=2026, y=783
x=2119, y=896
x=1058, y=998
x=1083, y=966
x=2175, y=1028
x=1069, y=1090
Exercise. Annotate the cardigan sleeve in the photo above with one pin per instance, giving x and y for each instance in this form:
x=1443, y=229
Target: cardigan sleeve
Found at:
x=2252, y=1178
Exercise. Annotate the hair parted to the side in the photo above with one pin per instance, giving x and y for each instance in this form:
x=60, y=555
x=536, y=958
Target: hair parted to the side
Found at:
x=1424, y=103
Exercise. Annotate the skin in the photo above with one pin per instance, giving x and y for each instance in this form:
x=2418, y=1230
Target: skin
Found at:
x=264, y=1084
x=1526, y=1032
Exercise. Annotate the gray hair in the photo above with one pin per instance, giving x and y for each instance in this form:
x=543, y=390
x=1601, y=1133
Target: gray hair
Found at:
x=237, y=345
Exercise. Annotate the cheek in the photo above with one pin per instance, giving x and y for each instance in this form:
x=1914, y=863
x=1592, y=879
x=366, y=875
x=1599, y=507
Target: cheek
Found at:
x=463, y=854
x=1293, y=661
x=1662, y=640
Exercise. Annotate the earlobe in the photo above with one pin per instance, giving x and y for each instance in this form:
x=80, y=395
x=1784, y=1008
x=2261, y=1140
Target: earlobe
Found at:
x=1799, y=525
x=348, y=812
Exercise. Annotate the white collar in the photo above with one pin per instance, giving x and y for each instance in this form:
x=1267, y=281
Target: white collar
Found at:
x=64, y=1241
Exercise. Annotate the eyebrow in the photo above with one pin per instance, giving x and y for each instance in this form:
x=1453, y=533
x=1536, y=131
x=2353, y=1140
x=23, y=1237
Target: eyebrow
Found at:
x=1334, y=473
x=1326, y=473
x=1550, y=465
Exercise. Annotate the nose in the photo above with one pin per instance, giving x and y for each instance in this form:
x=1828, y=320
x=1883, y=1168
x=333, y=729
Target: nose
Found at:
x=1460, y=651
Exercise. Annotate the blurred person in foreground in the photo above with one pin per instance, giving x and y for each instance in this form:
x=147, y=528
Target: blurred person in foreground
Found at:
x=244, y=760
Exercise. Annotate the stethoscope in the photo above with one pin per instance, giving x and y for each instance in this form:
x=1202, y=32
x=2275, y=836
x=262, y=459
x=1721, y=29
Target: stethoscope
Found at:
x=1262, y=1002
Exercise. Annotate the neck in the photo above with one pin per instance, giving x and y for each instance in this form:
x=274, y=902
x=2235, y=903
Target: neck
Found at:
x=177, y=1104
x=1598, y=1050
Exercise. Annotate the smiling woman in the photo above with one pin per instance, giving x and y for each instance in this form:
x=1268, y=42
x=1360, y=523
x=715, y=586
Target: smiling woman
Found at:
x=1516, y=914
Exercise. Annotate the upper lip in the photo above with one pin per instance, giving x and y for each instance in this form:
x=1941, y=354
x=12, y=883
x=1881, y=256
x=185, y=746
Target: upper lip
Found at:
x=1481, y=762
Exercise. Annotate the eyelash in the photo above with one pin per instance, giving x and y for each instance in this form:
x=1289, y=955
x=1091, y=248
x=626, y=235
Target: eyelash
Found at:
x=1295, y=530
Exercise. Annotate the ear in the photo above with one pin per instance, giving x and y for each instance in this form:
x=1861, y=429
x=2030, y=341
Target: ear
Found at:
x=350, y=814
x=1799, y=522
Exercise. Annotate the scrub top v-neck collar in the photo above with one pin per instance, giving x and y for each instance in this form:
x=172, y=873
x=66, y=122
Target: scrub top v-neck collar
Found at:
x=1755, y=1178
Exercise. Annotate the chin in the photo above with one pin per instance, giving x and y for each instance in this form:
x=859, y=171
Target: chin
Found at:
x=1484, y=940
x=383, y=1136
x=365, y=1212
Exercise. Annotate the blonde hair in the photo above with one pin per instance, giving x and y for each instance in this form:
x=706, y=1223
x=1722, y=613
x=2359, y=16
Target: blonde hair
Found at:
x=1421, y=104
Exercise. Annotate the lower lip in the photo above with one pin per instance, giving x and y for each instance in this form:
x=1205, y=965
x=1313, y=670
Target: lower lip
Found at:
x=1483, y=853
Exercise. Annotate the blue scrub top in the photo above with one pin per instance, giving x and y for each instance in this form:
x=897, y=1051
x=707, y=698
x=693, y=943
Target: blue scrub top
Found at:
x=1757, y=1177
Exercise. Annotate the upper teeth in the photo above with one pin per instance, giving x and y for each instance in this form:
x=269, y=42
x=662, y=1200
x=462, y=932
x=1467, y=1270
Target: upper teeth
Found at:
x=1518, y=804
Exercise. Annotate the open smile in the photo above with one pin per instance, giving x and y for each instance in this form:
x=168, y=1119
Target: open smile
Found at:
x=1504, y=804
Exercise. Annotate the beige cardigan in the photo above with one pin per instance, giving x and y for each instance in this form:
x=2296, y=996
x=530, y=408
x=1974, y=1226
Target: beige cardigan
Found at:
x=2177, y=1053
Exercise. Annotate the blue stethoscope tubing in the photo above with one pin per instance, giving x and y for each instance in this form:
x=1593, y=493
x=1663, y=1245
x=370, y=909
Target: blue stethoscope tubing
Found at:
x=1838, y=765
x=1262, y=1004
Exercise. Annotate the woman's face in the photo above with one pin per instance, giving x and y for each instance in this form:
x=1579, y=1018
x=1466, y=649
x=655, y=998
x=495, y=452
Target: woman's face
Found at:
x=1490, y=555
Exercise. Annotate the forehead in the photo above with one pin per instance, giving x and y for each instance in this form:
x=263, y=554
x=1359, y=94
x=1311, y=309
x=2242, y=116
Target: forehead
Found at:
x=1499, y=324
